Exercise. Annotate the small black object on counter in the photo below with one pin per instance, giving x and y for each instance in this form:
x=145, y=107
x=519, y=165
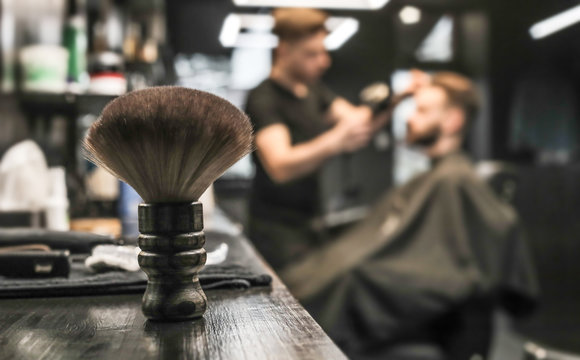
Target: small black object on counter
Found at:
x=34, y=264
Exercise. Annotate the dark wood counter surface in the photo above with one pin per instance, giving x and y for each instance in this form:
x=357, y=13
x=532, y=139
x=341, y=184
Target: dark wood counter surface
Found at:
x=257, y=323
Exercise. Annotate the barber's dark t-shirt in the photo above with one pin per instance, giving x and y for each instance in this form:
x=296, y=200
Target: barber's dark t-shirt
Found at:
x=269, y=104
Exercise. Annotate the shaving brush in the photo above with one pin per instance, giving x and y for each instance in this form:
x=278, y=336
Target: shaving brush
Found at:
x=170, y=143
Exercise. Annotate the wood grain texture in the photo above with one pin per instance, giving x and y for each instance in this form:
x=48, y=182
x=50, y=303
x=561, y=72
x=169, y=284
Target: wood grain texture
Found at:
x=258, y=323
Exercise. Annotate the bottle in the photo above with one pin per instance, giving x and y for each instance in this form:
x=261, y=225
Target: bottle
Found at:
x=57, y=203
x=129, y=202
x=75, y=40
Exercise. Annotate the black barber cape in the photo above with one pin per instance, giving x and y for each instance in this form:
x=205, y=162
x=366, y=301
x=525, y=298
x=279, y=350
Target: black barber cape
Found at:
x=425, y=248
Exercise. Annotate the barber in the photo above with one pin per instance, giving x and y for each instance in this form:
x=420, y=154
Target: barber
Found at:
x=299, y=123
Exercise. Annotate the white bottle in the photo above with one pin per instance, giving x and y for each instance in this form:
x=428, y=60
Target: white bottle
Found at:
x=57, y=217
x=208, y=201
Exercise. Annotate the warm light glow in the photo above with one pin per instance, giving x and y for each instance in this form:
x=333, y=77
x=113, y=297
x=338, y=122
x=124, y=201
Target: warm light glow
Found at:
x=410, y=15
x=555, y=23
x=259, y=34
x=322, y=4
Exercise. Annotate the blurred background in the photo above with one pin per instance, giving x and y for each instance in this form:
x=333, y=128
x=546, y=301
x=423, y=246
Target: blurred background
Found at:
x=63, y=60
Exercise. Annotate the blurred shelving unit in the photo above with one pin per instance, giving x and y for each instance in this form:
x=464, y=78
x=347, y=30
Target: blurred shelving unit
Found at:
x=41, y=108
x=41, y=111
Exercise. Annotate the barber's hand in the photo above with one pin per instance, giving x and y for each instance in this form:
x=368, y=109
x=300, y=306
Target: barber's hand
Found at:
x=353, y=133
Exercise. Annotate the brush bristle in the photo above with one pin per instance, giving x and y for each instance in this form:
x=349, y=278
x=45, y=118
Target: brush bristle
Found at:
x=169, y=143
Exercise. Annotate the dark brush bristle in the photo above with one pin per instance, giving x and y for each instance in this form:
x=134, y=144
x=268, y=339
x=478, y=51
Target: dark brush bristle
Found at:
x=169, y=143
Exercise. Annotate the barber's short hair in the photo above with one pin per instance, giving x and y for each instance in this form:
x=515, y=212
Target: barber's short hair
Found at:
x=460, y=92
x=291, y=24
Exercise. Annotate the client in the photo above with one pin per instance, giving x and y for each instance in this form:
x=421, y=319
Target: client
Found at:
x=433, y=258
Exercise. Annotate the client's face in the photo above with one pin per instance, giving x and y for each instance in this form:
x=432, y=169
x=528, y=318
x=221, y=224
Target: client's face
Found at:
x=309, y=58
x=424, y=125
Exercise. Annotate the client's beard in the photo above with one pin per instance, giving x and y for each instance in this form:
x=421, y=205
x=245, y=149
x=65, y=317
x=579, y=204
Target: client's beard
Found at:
x=428, y=140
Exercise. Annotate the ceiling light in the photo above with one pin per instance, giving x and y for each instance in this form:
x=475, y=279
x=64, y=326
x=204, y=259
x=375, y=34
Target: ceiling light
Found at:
x=341, y=29
x=410, y=15
x=256, y=40
x=230, y=30
x=555, y=23
x=257, y=22
x=254, y=31
x=438, y=45
x=258, y=34
x=322, y=4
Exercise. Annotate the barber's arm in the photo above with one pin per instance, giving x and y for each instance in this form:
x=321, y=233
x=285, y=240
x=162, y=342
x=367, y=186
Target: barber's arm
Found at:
x=341, y=109
x=285, y=162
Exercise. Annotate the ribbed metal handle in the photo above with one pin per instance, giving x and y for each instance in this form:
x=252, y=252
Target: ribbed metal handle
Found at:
x=172, y=255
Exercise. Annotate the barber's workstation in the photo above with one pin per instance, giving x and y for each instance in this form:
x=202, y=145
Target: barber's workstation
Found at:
x=266, y=179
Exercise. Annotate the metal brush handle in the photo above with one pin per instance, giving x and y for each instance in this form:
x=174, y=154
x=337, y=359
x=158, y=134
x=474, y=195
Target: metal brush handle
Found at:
x=172, y=255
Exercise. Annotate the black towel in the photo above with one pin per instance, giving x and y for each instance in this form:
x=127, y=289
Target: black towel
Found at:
x=241, y=269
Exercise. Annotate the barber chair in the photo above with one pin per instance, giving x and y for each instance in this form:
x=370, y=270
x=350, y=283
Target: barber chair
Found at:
x=472, y=323
x=533, y=351
x=466, y=331
x=462, y=334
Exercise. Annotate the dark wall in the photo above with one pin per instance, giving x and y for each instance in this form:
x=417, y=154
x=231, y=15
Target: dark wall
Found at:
x=194, y=25
x=514, y=54
x=366, y=57
x=548, y=203
x=13, y=125
x=548, y=197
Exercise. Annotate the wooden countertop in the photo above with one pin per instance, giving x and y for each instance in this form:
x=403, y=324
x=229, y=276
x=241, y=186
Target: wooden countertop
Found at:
x=257, y=323
x=239, y=324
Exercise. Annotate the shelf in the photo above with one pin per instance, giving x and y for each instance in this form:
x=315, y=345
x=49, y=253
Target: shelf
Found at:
x=66, y=103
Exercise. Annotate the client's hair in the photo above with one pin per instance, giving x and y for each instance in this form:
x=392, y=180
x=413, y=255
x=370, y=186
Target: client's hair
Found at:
x=460, y=92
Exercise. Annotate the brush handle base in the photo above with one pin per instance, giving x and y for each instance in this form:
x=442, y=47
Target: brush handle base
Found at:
x=172, y=255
